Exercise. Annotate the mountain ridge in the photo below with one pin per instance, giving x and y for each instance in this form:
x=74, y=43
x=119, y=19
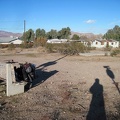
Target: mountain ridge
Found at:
x=87, y=35
x=8, y=34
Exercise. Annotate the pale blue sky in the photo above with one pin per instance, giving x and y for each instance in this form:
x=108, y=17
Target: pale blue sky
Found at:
x=93, y=16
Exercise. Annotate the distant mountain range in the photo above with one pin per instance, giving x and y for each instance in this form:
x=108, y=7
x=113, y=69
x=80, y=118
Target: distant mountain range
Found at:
x=8, y=34
x=90, y=36
x=87, y=35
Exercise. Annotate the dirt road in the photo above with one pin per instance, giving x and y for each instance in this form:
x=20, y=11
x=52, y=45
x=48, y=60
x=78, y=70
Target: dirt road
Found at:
x=67, y=88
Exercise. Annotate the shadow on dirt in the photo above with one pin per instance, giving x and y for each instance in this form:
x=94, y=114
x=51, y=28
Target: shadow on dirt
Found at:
x=1, y=81
x=50, y=63
x=112, y=76
x=97, y=107
x=41, y=74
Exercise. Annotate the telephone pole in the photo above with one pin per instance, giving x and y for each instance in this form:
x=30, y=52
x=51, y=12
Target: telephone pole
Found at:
x=24, y=26
x=24, y=30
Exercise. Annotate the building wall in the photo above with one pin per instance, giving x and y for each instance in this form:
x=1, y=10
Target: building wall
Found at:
x=99, y=44
x=114, y=44
x=17, y=42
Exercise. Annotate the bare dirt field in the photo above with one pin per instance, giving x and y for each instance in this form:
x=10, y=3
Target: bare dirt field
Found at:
x=66, y=88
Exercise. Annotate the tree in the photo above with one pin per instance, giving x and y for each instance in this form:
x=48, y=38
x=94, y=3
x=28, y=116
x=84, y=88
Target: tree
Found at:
x=64, y=33
x=113, y=33
x=31, y=35
x=43, y=33
x=28, y=36
x=52, y=34
x=75, y=37
x=37, y=33
x=40, y=33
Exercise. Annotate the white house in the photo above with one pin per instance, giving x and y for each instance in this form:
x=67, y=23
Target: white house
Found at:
x=84, y=42
x=104, y=43
x=16, y=42
x=57, y=40
x=9, y=40
x=95, y=43
x=114, y=43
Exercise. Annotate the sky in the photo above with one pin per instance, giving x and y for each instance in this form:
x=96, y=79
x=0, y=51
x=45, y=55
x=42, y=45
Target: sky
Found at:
x=84, y=16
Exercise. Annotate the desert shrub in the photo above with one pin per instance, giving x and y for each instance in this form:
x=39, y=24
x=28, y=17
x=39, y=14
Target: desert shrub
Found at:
x=3, y=45
x=11, y=47
x=26, y=45
x=115, y=52
x=75, y=48
x=40, y=42
x=108, y=48
x=72, y=48
x=106, y=54
x=50, y=47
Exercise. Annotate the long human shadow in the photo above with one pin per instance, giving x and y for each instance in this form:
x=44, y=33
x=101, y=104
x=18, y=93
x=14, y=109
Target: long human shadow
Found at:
x=112, y=76
x=50, y=63
x=97, y=107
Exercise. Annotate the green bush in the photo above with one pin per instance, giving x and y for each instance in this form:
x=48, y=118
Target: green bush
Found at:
x=107, y=48
x=40, y=42
x=115, y=52
x=73, y=48
x=11, y=47
x=26, y=45
x=49, y=47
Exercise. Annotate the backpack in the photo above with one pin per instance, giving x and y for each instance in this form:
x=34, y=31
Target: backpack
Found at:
x=28, y=67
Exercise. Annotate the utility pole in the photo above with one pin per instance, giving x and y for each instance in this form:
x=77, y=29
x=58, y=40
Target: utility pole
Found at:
x=24, y=30
x=24, y=26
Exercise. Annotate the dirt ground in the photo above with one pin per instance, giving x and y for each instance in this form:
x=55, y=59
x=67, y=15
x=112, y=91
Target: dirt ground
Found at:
x=65, y=88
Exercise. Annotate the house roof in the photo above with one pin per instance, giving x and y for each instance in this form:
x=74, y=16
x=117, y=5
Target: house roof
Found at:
x=112, y=40
x=17, y=41
x=56, y=40
x=6, y=39
x=102, y=40
x=9, y=40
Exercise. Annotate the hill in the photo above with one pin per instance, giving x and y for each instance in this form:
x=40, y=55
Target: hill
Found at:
x=89, y=36
x=8, y=34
